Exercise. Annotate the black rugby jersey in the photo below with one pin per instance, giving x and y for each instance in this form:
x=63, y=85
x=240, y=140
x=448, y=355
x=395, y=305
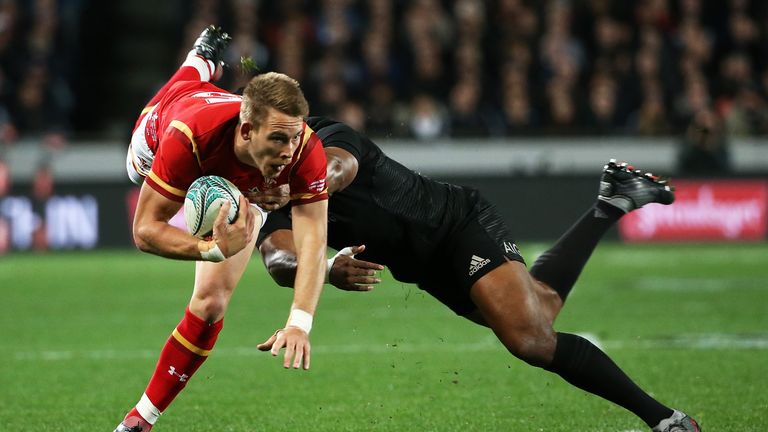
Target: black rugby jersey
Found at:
x=402, y=217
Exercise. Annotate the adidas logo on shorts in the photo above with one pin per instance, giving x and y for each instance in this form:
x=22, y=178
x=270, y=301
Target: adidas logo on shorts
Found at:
x=477, y=263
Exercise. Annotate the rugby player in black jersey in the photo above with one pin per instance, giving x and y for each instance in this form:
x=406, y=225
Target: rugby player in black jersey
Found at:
x=413, y=224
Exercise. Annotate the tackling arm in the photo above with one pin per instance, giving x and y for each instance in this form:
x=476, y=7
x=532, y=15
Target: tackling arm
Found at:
x=346, y=272
x=279, y=255
x=342, y=169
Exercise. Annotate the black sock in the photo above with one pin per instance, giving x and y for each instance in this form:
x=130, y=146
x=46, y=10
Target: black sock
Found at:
x=561, y=265
x=585, y=366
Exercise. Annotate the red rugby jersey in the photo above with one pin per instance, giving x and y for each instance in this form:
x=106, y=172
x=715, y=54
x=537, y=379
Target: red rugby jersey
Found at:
x=191, y=132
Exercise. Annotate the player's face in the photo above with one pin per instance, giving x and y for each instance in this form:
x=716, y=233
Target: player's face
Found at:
x=270, y=148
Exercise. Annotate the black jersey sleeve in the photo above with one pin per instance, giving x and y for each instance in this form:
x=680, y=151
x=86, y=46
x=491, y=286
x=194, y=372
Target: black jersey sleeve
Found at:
x=276, y=220
x=335, y=134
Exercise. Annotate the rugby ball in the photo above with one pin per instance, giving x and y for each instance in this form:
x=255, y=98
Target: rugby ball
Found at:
x=205, y=197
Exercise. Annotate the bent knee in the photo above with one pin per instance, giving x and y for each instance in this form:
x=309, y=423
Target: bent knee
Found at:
x=535, y=346
x=210, y=308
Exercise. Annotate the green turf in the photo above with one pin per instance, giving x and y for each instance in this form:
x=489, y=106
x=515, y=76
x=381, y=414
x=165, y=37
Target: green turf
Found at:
x=82, y=332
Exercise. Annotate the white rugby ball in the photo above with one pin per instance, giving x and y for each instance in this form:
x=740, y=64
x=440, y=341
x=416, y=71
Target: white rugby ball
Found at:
x=205, y=197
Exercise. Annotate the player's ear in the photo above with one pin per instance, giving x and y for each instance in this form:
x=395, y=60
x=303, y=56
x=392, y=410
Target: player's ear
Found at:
x=245, y=129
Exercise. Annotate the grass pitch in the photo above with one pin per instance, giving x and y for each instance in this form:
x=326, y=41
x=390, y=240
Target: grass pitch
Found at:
x=82, y=332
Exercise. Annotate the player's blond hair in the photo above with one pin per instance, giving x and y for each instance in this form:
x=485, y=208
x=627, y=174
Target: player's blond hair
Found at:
x=272, y=90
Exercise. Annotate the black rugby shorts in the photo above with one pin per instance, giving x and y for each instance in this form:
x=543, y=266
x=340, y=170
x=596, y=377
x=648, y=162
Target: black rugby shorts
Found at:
x=481, y=243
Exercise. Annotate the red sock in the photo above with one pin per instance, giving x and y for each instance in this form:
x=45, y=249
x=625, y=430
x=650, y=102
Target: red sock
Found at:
x=183, y=353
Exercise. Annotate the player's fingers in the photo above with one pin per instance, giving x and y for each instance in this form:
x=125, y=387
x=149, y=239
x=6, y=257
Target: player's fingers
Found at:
x=267, y=344
x=358, y=249
x=244, y=211
x=256, y=198
x=350, y=285
x=368, y=265
x=269, y=206
x=299, y=357
x=273, y=199
x=356, y=271
x=290, y=349
x=360, y=288
x=279, y=343
x=365, y=280
x=307, y=350
x=221, y=218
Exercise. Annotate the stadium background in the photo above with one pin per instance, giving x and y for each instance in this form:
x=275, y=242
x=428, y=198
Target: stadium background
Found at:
x=504, y=95
x=524, y=99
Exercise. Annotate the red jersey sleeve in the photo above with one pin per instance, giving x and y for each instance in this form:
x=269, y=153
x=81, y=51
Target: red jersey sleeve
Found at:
x=308, y=179
x=176, y=164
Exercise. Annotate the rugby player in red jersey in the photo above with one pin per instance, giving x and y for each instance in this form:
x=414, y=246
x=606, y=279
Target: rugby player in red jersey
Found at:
x=257, y=141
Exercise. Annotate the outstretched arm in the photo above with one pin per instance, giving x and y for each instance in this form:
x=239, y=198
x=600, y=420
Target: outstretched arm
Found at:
x=309, y=236
x=345, y=271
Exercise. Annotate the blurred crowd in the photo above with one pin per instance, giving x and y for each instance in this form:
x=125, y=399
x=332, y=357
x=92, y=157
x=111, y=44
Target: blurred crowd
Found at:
x=432, y=68
x=38, y=60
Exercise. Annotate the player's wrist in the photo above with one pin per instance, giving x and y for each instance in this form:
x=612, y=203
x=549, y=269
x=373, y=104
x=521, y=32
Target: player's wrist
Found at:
x=347, y=251
x=210, y=251
x=300, y=319
x=328, y=269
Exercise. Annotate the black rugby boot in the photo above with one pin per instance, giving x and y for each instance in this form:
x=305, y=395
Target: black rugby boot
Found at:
x=627, y=188
x=211, y=44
